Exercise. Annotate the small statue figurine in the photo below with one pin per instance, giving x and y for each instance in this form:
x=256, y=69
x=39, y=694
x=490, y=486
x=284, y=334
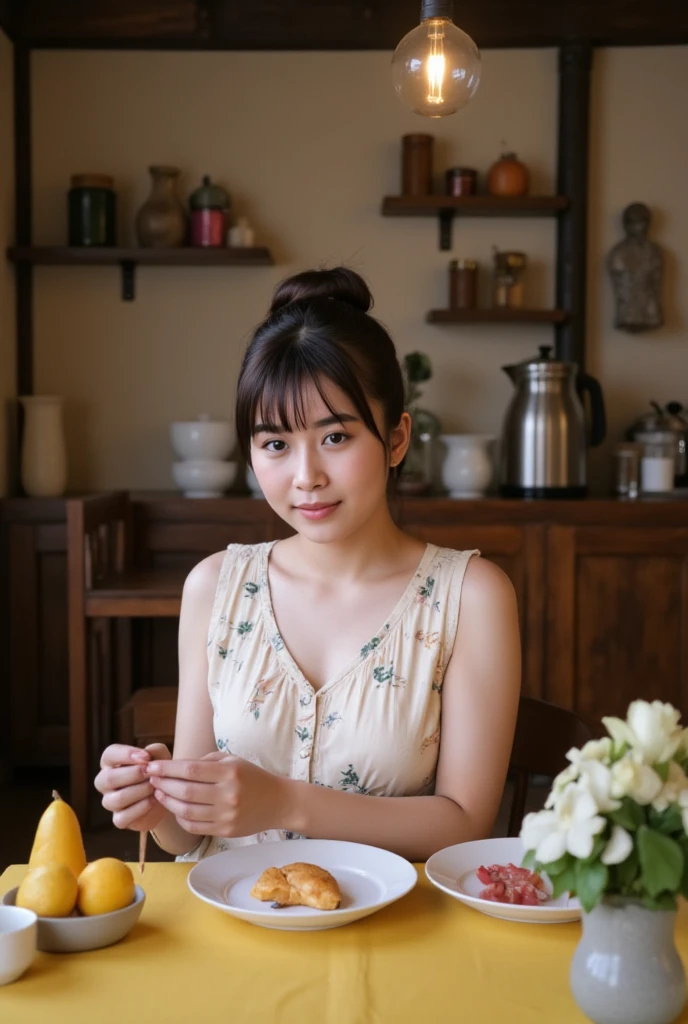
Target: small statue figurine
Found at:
x=635, y=266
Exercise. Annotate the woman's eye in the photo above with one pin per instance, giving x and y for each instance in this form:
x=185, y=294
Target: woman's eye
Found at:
x=337, y=438
x=275, y=446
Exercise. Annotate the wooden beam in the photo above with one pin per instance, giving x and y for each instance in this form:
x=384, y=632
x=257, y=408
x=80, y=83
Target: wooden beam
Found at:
x=7, y=18
x=339, y=24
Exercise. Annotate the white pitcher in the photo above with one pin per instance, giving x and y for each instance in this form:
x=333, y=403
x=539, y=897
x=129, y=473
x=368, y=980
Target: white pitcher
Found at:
x=43, y=452
x=467, y=469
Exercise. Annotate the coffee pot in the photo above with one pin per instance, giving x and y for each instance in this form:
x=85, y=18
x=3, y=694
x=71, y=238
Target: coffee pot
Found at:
x=545, y=438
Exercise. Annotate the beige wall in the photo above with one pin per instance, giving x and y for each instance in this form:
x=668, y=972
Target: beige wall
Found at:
x=7, y=321
x=308, y=144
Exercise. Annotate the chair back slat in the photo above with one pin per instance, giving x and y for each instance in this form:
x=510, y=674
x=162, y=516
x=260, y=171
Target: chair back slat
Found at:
x=544, y=735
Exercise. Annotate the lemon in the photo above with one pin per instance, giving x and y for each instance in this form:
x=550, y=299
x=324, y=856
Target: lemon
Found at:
x=105, y=885
x=50, y=890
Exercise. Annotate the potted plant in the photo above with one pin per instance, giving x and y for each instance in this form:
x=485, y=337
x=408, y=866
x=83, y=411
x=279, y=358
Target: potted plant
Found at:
x=416, y=474
x=614, y=832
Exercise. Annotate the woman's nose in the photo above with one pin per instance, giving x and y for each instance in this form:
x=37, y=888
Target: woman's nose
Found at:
x=309, y=472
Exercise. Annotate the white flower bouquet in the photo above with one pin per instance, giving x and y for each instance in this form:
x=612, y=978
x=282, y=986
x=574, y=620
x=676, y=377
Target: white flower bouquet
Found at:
x=616, y=819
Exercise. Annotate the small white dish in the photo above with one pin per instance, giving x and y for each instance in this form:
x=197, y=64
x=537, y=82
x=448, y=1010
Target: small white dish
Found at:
x=453, y=870
x=203, y=478
x=202, y=438
x=18, y=929
x=76, y=934
x=369, y=879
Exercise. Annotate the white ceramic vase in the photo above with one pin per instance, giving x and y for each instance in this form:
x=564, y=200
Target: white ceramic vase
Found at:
x=468, y=466
x=626, y=969
x=43, y=451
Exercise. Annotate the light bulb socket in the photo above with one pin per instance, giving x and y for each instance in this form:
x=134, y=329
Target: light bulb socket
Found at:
x=436, y=9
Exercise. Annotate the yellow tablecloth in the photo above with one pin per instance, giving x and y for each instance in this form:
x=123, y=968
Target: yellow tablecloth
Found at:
x=426, y=959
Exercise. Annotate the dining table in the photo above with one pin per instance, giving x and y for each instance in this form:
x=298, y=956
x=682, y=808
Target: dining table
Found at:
x=425, y=959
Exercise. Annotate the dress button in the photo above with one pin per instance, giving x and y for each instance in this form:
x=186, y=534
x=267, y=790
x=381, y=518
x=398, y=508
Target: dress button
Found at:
x=306, y=752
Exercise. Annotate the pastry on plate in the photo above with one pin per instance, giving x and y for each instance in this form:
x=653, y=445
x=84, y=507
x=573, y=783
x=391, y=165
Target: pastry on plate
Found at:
x=298, y=885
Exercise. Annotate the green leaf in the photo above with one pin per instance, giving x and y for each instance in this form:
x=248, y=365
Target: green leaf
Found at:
x=665, y=901
x=630, y=815
x=418, y=367
x=591, y=881
x=529, y=860
x=684, y=880
x=626, y=872
x=667, y=822
x=557, y=866
x=565, y=881
x=662, y=770
x=661, y=861
x=597, y=848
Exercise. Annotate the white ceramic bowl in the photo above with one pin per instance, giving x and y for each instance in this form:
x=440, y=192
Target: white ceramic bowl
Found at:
x=18, y=928
x=203, y=478
x=75, y=934
x=202, y=439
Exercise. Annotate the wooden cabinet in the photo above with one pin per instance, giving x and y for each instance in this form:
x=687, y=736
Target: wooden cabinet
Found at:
x=602, y=590
x=616, y=623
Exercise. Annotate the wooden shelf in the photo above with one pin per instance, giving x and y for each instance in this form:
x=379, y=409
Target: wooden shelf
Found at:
x=445, y=208
x=129, y=259
x=496, y=316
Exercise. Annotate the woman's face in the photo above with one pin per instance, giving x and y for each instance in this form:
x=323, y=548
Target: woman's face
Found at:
x=330, y=478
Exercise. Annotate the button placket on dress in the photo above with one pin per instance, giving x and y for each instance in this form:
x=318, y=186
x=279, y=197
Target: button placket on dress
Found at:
x=305, y=730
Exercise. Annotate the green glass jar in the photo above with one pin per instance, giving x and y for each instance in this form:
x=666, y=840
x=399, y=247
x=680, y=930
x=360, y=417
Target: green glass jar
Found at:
x=92, y=207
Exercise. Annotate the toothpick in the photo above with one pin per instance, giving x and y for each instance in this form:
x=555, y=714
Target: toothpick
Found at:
x=143, y=837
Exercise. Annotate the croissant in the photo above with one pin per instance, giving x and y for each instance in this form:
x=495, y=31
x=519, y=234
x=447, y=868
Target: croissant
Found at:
x=295, y=885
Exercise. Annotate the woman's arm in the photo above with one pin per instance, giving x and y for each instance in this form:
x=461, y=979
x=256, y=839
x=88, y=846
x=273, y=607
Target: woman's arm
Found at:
x=224, y=795
x=193, y=737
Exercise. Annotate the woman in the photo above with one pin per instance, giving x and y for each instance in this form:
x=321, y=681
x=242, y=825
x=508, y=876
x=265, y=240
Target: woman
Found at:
x=321, y=670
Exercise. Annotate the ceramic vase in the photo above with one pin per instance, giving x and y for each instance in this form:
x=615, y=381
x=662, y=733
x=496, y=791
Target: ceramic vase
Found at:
x=161, y=221
x=626, y=969
x=468, y=466
x=43, y=450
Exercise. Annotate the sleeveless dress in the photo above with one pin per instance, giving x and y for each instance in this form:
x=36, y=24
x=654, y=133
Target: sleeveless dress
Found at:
x=374, y=728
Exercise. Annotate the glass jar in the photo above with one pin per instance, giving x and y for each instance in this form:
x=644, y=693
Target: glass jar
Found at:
x=463, y=276
x=508, y=279
x=657, y=465
x=209, y=204
x=92, y=210
x=627, y=470
x=460, y=181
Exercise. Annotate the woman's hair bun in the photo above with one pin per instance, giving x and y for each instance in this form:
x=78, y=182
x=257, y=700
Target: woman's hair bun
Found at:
x=340, y=283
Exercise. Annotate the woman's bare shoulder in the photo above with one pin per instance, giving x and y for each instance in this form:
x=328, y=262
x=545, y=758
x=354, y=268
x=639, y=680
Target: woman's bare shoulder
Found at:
x=201, y=583
x=485, y=585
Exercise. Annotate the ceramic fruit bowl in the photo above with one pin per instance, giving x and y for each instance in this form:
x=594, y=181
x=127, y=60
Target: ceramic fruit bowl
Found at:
x=76, y=934
x=204, y=478
x=202, y=438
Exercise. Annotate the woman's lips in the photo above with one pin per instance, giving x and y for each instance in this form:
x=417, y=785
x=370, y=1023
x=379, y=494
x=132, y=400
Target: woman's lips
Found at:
x=318, y=511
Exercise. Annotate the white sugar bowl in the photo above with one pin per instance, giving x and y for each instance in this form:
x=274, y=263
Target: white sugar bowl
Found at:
x=204, y=478
x=468, y=466
x=202, y=438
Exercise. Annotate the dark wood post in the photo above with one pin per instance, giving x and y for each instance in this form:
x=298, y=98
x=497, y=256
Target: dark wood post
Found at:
x=575, y=60
x=22, y=192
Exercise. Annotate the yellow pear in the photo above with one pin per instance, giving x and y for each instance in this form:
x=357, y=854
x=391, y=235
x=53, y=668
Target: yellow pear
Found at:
x=58, y=838
x=105, y=885
x=50, y=890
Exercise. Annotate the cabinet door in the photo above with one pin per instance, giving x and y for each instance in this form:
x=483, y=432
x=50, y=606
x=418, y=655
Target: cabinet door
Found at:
x=519, y=551
x=617, y=617
x=37, y=571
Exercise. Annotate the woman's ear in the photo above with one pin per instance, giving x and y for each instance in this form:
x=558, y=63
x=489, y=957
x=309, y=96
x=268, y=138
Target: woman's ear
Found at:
x=399, y=440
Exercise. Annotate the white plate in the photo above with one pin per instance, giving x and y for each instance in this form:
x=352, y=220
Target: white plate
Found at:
x=454, y=871
x=369, y=879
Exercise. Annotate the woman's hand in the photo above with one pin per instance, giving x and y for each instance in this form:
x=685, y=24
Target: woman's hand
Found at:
x=125, y=786
x=220, y=795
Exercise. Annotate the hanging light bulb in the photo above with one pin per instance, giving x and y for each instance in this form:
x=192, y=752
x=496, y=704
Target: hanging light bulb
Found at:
x=436, y=67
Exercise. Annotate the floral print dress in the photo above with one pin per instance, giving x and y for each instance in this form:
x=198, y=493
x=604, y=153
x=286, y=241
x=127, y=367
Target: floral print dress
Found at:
x=374, y=728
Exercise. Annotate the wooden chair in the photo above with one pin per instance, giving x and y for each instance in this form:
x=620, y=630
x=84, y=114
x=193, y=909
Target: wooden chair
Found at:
x=544, y=735
x=104, y=589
